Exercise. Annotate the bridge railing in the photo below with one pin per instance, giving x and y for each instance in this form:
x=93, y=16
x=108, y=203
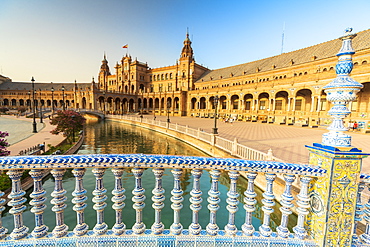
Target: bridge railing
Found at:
x=26, y=233
x=233, y=147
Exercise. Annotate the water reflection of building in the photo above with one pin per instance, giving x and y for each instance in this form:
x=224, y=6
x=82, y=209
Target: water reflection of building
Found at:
x=283, y=89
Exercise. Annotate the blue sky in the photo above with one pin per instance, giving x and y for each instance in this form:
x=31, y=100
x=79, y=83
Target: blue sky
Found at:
x=61, y=41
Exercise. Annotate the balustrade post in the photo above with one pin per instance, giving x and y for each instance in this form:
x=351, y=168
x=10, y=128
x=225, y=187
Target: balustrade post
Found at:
x=286, y=205
x=99, y=199
x=232, y=201
x=118, y=199
x=158, y=198
x=16, y=202
x=249, y=204
x=333, y=197
x=303, y=206
x=234, y=147
x=38, y=203
x=196, y=200
x=3, y=230
x=58, y=200
x=268, y=203
x=79, y=200
x=138, y=199
x=176, y=199
x=213, y=200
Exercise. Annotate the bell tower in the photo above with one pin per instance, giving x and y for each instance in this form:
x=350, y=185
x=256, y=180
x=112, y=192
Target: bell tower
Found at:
x=103, y=74
x=186, y=66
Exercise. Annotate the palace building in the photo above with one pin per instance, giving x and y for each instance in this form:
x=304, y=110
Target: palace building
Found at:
x=283, y=89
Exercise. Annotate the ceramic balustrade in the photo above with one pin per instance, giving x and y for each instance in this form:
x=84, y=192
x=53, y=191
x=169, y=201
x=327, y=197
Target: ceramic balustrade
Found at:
x=102, y=164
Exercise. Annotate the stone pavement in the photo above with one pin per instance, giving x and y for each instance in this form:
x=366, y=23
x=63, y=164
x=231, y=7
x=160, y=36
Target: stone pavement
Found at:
x=287, y=142
x=42, y=136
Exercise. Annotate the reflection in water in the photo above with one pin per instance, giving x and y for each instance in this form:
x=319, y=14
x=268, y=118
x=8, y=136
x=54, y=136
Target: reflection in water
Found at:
x=112, y=137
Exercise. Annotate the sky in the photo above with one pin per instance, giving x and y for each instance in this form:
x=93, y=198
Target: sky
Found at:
x=65, y=40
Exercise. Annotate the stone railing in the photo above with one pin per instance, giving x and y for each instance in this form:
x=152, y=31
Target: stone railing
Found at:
x=214, y=234
x=233, y=147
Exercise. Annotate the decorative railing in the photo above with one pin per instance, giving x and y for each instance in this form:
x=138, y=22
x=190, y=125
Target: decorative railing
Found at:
x=233, y=147
x=23, y=234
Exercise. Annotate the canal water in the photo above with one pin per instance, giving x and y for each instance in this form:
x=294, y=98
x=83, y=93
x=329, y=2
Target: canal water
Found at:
x=108, y=137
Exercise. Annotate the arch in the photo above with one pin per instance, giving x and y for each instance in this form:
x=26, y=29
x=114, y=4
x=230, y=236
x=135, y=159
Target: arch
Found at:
x=156, y=103
x=263, y=101
x=281, y=100
x=131, y=104
x=84, y=104
x=21, y=102
x=202, y=103
x=303, y=100
x=151, y=104
x=364, y=62
x=176, y=103
x=248, y=100
x=193, y=103
x=13, y=102
x=234, y=102
x=223, y=102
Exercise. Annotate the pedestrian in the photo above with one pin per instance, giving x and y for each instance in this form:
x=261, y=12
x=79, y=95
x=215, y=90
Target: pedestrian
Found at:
x=355, y=125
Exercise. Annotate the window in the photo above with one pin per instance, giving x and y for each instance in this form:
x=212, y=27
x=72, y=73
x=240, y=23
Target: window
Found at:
x=278, y=105
x=160, y=87
x=248, y=105
x=298, y=104
x=152, y=88
x=262, y=105
x=169, y=86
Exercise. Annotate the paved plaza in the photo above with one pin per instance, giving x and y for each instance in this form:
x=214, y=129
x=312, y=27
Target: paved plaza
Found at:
x=287, y=142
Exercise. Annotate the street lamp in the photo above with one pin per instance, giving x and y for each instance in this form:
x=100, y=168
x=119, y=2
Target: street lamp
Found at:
x=168, y=111
x=73, y=128
x=52, y=100
x=33, y=107
x=215, y=103
x=40, y=107
x=29, y=101
x=64, y=107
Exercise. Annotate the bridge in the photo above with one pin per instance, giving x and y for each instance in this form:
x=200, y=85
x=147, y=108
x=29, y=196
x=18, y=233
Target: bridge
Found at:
x=330, y=204
x=97, y=113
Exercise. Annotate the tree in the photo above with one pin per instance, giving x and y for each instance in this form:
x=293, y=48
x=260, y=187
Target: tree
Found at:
x=3, y=144
x=67, y=122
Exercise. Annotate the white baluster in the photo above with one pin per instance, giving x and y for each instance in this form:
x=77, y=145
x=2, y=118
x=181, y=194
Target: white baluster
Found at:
x=303, y=205
x=118, y=199
x=3, y=230
x=268, y=203
x=38, y=203
x=195, y=200
x=176, y=199
x=365, y=237
x=213, y=200
x=249, y=204
x=138, y=199
x=16, y=202
x=158, y=198
x=232, y=201
x=286, y=205
x=79, y=200
x=99, y=200
x=58, y=200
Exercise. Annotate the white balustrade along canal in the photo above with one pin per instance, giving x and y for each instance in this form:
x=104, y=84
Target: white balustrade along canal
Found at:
x=231, y=146
x=120, y=234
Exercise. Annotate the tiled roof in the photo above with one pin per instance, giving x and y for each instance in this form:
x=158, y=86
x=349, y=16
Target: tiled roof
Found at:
x=11, y=85
x=320, y=51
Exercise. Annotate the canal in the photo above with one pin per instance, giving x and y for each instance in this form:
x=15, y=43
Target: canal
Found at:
x=108, y=137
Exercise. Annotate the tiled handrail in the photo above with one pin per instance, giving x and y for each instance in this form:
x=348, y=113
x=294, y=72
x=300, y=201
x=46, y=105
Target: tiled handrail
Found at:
x=137, y=162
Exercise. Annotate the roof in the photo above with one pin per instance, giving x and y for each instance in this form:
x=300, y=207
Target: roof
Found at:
x=11, y=85
x=321, y=51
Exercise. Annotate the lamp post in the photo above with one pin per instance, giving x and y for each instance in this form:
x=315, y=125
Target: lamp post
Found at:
x=73, y=128
x=64, y=107
x=142, y=101
x=33, y=106
x=52, y=100
x=29, y=100
x=168, y=111
x=215, y=103
x=103, y=102
x=40, y=107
